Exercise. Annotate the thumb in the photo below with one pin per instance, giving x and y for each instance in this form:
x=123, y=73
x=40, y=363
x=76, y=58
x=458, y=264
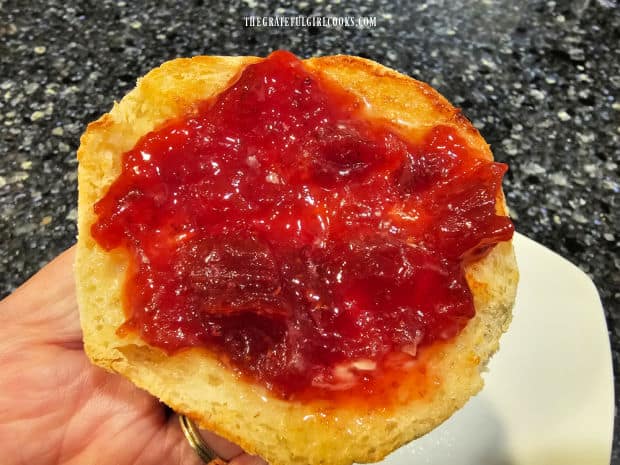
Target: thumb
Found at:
x=44, y=308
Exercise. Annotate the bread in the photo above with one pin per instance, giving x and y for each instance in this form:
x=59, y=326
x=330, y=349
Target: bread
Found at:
x=196, y=384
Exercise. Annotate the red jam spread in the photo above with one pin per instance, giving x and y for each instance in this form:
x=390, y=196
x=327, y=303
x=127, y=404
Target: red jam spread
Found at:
x=305, y=243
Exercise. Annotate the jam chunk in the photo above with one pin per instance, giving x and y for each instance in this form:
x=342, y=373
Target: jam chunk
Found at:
x=301, y=241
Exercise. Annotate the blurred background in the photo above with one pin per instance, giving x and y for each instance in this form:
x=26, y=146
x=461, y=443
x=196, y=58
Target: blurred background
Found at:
x=540, y=80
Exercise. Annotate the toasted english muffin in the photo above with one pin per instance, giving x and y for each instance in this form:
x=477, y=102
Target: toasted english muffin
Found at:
x=195, y=383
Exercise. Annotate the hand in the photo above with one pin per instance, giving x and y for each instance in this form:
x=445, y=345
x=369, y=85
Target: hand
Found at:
x=58, y=408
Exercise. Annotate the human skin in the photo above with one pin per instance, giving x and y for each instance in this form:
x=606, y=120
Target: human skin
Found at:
x=58, y=408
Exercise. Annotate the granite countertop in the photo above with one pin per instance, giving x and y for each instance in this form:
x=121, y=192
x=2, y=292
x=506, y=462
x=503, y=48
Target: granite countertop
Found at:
x=541, y=80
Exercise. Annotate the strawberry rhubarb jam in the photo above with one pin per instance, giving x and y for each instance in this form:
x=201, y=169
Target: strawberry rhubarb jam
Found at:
x=305, y=243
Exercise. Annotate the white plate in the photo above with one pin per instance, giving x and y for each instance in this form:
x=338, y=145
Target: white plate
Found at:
x=548, y=397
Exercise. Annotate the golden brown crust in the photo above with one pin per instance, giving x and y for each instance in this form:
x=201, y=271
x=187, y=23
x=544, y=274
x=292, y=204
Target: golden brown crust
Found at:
x=193, y=383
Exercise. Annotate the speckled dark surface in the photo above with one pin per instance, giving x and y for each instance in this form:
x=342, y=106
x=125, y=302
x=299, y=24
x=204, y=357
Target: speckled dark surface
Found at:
x=541, y=80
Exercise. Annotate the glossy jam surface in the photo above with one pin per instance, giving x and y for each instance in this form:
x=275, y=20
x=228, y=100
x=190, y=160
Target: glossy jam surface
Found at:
x=306, y=244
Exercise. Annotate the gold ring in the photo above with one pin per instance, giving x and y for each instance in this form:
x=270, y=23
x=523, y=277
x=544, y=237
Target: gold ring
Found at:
x=202, y=449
